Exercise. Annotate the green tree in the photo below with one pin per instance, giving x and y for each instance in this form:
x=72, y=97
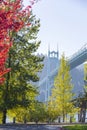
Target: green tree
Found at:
x=82, y=98
x=35, y=112
x=38, y=113
x=62, y=91
x=22, y=113
x=25, y=65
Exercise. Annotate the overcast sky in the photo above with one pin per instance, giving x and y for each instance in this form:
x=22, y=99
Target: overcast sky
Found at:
x=63, y=23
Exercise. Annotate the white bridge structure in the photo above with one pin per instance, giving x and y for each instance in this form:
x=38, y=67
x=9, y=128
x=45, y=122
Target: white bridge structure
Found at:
x=47, y=81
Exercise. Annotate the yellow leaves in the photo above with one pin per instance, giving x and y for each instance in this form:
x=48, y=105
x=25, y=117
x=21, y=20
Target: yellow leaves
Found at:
x=19, y=113
x=1, y=117
x=85, y=77
x=62, y=92
x=11, y=113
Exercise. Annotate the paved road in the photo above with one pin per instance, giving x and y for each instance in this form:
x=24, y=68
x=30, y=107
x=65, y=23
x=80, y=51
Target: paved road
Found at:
x=33, y=127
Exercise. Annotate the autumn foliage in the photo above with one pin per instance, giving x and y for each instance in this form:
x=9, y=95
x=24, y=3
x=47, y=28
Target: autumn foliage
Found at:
x=12, y=19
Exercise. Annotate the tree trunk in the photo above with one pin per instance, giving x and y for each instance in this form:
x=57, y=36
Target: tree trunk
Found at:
x=59, y=119
x=70, y=119
x=63, y=117
x=82, y=114
x=4, y=116
x=6, y=94
x=14, y=119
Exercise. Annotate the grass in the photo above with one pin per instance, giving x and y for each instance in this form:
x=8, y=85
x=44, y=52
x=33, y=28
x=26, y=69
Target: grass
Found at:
x=76, y=127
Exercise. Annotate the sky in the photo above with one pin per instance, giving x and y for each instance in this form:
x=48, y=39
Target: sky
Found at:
x=63, y=24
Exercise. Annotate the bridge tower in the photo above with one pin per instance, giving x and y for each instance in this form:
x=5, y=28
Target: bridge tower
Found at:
x=52, y=63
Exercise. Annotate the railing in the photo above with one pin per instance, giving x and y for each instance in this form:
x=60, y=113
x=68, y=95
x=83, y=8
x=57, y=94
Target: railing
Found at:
x=79, y=52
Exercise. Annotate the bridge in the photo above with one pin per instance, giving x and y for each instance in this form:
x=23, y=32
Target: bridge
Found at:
x=79, y=57
x=75, y=60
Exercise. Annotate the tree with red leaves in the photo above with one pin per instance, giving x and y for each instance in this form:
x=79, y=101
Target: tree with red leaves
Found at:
x=12, y=19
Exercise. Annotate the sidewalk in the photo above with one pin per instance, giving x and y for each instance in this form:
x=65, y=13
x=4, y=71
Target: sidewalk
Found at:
x=60, y=128
x=30, y=127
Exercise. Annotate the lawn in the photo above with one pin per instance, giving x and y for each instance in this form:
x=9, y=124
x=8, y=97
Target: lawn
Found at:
x=76, y=127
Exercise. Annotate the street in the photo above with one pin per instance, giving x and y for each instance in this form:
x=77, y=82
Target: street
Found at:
x=29, y=127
